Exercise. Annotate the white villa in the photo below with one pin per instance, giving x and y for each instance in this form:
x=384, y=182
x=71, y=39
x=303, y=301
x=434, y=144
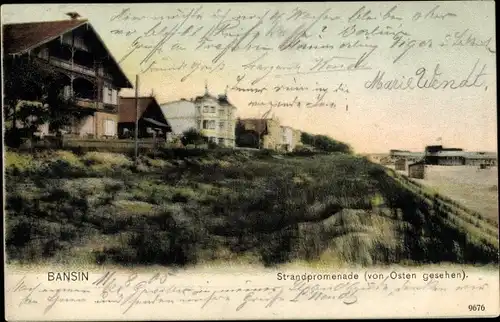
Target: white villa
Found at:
x=214, y=117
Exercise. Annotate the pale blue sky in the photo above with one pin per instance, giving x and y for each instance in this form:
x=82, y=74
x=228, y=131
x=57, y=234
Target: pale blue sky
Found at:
x=375, y=121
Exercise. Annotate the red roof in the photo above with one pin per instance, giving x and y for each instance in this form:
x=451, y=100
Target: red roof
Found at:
x=20, y=37
x=126, y=110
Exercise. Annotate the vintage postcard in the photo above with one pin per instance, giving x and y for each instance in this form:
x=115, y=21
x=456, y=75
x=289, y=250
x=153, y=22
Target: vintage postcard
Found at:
x=217, y=161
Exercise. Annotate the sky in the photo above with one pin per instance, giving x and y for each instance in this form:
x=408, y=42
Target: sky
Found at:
x=370, y=120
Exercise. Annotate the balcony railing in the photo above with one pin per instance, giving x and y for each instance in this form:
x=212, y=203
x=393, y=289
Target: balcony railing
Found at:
x=87, y=103
x=93, y=104
x=105, y=75
x=74, y=67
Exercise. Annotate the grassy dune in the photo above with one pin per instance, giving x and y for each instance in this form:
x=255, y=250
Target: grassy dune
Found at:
x=201, y=207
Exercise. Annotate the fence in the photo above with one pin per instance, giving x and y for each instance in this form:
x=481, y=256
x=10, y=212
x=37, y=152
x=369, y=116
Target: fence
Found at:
x=88, y=144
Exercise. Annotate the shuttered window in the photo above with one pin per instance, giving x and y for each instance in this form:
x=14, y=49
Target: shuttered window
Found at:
x=105, y=94
x=114, y=97
x=110, y=95
x=109, y=127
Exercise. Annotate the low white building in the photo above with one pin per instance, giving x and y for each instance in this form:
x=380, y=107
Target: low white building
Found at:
x=181, y=115
x=214, y=117
x=287, y=138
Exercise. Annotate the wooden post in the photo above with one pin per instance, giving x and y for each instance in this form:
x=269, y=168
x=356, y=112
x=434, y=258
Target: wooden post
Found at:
x=136, y=155
x=154, y=144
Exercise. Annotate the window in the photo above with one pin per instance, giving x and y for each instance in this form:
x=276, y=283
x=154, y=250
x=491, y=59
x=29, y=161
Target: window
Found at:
x=209, y=124
x=212, y=109
x=67, y=92
x=107, y=95
x=110, y=95
x=114, y=96
x=109, y=127
x=221, y=125
x=221, y=141
x=221, y=112
x=205, y=108
x=44, y=53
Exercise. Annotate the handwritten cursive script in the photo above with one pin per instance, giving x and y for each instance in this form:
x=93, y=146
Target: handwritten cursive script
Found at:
x=366, y=46
x=128, y=292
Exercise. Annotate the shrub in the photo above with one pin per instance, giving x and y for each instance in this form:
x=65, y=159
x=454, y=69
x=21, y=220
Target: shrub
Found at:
x=265, y=153
x=325, y=143
x=155, y=162
x=29, y=240
x=303, y=148
x=19, y=162
x=108, y=159
x=68, y=157
x=192, y=136
x=167, y=240
x=183, y=195
x=61, y=164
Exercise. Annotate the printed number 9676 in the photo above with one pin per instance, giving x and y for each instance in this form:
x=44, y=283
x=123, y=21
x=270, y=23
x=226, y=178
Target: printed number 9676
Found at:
x=476, y=307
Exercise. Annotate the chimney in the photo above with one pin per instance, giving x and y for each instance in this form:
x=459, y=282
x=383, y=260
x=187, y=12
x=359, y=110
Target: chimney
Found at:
x=73, y=15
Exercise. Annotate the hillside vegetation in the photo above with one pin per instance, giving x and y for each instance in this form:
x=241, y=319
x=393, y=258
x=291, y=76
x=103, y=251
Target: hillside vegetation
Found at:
x=188, y=207
x=325, y=143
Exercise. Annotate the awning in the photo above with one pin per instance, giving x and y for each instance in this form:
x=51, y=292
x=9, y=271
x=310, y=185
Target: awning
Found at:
x=155, y=122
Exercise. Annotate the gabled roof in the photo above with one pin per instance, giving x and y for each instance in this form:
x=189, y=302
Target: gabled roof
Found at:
x=419, y=162
x=20, y=38
x=257, y=125
x=166, y=104
x=127, y=110
x=155, y=122
x=223, y=100
x=205, y=96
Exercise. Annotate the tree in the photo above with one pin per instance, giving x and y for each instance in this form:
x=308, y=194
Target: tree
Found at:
x=307, y=138
x=34, y=96
x=325, y=143
x=192, y=136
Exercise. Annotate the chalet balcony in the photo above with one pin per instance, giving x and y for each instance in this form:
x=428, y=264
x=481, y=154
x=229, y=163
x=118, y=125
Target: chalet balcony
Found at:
x=87, y=103
x=84, y=70
x=95, y=105
x=73, y=67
